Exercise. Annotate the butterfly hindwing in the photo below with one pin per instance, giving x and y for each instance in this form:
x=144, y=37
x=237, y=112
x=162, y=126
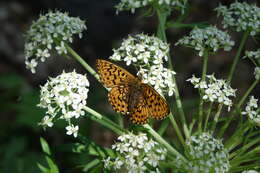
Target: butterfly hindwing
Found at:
x=118, y=97
x=157, y=105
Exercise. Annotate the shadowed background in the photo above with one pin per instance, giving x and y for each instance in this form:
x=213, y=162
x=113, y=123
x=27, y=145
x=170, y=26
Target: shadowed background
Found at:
x=19, y=89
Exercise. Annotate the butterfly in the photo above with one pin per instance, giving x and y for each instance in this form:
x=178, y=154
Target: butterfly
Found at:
x=129, y=96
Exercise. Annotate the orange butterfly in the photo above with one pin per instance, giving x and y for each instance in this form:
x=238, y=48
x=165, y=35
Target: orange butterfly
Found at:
x=128, y=95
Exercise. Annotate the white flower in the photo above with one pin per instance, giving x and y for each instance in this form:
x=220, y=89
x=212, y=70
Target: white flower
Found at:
x=46, y=121
x=125, y=5
x=135, y=153
x=50, y=30
x=66, y=95
x=241, y=16
x=214, y=90
x=252, y=110
x=72, y=130
x=141, y=50
x=207, y=39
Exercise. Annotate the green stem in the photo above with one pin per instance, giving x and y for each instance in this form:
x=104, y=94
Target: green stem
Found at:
x=234, y=64
x=163, y=142
x=203, y=78
x=237, y=108
x=207, y=117
x=216, y=118
x=82, y=62
x=176, y=128
x=95, y=116
x=162, y=17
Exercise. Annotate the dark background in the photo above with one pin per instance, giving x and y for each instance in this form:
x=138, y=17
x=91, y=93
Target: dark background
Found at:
x=19, y=89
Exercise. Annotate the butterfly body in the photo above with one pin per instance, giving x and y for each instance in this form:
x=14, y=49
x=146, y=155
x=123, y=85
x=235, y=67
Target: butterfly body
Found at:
x=129, y=96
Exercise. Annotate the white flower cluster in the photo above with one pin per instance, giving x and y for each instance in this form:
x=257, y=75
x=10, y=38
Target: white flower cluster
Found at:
x=252, y=110
x=126, y=5
x=66, y=95
x=136, y=154
x=209, y=39
x=241, y=16
x=206, y=154
x=159, y=77
x=147, y=53
x=214, y=90
x=50, y=31
x=141, y=49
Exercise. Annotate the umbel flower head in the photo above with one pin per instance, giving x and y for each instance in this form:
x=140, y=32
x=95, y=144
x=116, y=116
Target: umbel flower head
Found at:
x=214, y=90
x=136, y=154
x=147, y=53
x=206, y=155
x=253, y=111
x=209, y=39
x=241, y=16
x=250, y=171
x=50, y=31
x=126, y=5
x=65, y=95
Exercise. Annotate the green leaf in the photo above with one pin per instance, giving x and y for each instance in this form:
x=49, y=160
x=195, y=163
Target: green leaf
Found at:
x=45, y=146
x=90, y=165
x=42, y=168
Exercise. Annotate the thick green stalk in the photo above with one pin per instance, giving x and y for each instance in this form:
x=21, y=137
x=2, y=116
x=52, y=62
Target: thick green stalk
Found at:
x=163, y=142
x=82, y=62
x=237, y=108
x=203, y=77
x=95, y=116
x=162, y=17
x=234, y=64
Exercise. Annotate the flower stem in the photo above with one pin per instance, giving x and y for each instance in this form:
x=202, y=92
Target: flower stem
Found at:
x=162, y=17
x=216, y=118
x=163, y=142
x=95, y=116
x=241, y=46
x=207, y=117
x=203, y=78
x=237, y=108
x=176, y=128
x=81, y=61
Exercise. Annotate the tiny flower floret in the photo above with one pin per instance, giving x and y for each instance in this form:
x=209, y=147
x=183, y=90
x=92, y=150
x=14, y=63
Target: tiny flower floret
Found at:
x=257, y=73
x=214, y=90
x=136, y=154
x=131, y=5
x=51, y=30
x=206, y=154
x=252, y=110
x=209, y=39
x=65, y=95
x=241, y=16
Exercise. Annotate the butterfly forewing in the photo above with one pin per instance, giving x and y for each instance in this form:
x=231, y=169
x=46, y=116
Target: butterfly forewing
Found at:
x=157, y=105
x=112, y=75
